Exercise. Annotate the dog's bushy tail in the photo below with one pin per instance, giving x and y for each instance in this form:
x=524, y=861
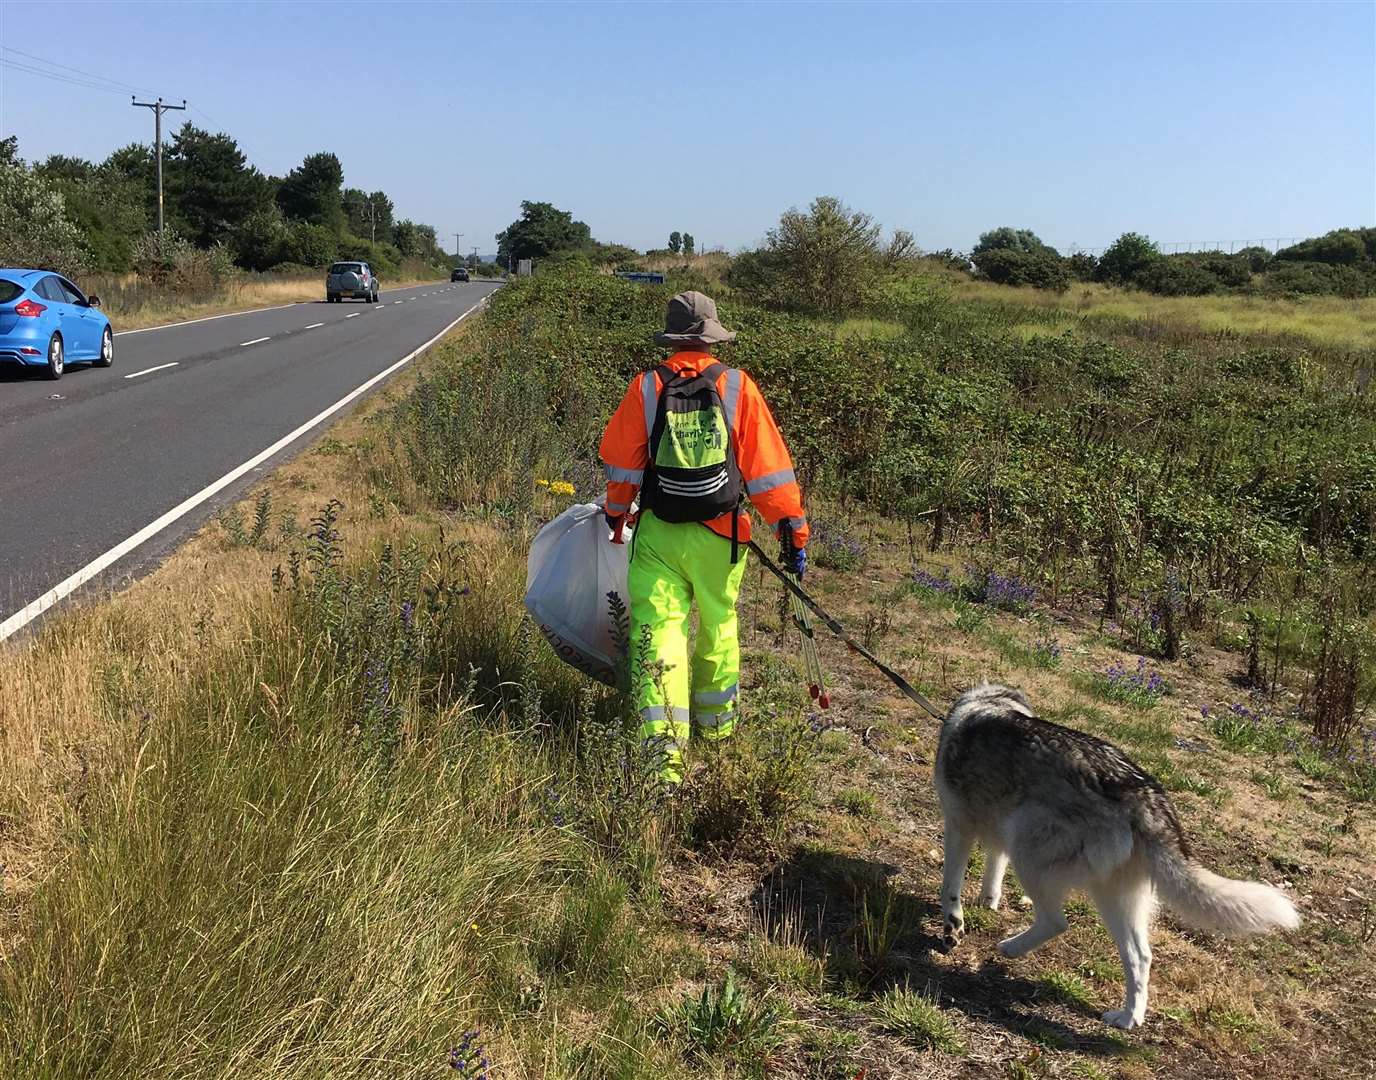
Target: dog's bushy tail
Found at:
x=1208, y=901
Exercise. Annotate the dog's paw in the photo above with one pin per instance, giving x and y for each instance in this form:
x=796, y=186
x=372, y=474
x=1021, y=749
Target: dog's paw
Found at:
x=953, y=930
x=991, y=900
x=1121, y=1018
x=1012, y=947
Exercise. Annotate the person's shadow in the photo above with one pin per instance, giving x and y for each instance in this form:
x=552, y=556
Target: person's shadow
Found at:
x=871, y=937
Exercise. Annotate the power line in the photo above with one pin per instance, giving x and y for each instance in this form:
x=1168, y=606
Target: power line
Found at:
x=127, y=87
x=15, y=65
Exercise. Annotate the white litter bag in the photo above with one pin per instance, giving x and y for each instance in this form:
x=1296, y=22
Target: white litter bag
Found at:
x=570, y=572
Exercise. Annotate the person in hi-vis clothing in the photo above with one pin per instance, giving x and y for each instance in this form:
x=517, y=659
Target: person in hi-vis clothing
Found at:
x=693, y=438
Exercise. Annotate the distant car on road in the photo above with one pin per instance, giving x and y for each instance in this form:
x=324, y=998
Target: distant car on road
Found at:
x=46, y=321
x=460, y=274
x=352, y=279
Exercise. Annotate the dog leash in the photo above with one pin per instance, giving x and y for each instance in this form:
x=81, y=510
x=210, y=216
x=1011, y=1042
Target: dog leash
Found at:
x=840, y=631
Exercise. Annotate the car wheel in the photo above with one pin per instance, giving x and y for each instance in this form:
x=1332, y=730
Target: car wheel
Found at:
x=56, y=362
x=107, y=349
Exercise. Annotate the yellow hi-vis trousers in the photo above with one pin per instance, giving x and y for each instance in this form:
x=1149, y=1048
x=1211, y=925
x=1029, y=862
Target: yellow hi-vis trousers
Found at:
x=671, y=567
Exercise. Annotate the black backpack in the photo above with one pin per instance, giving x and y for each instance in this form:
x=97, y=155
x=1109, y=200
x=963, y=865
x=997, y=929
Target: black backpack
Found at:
x=692, y=473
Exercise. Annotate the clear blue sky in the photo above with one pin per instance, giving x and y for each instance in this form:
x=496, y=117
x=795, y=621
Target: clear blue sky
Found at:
x=1185, y=121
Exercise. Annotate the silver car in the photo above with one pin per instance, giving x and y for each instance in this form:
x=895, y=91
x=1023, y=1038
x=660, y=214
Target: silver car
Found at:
x=352, y=279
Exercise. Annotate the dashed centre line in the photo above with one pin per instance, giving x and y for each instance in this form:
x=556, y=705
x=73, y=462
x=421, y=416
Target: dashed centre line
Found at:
x=314, y=325
x=355, y=315
x=255, y=341
x=148, y=371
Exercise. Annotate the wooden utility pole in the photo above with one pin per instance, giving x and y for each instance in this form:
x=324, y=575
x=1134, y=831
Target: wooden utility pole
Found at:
x=158, y=109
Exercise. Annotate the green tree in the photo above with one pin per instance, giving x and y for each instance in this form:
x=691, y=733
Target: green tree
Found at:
x=1082, y=266
x=310, y=245
x=380, y=208
x=688, y=244
x=1177, y=275
x=356, y=217
x=406, y=239
x=260, y=241
x=675, y=242
x=1006, y=238
x=311, y=192
x=35, y=229
x=1128, y=257
x=542, y=230
x=902, y=247
x=1043, y=269
x=1341, y=247
x=820, y=261
x=108, y=207
x=429, y=242
x=211, y=187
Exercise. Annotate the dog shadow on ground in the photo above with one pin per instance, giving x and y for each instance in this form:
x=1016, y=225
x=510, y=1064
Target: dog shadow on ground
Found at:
x=872, y=936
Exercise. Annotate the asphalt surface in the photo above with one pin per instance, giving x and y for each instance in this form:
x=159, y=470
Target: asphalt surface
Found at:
x=97, y=456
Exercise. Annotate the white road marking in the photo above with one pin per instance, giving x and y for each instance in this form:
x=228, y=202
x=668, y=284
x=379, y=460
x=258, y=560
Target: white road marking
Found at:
x=211, y=318
x=31, y=611
x=398, y=301
x=355, y=315
x=147, y=371
x=253, y=342
x=315, y=324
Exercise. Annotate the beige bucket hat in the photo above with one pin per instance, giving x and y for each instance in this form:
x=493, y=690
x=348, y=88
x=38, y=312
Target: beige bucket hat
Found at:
x=691, y=319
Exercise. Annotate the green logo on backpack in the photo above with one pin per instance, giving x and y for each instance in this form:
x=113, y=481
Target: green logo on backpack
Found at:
x=693, y=474
x=693, y=440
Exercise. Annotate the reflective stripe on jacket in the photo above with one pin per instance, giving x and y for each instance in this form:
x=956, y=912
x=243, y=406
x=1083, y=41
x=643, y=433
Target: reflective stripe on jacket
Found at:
x=765, y=464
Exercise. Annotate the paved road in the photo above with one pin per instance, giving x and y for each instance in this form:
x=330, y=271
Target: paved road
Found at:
x=89, y=469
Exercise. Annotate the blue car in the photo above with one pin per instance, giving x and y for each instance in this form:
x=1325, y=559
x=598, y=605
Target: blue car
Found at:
x=47, y=322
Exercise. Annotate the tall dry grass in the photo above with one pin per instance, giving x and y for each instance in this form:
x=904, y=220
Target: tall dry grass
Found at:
x=1326, y=320
x=299, y=804
x=133, y=302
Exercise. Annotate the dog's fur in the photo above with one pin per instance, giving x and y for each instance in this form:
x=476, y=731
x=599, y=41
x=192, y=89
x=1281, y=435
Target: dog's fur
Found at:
x=1072, y=811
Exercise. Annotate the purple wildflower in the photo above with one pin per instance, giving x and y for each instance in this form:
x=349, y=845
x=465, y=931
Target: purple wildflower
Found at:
x=933, y=583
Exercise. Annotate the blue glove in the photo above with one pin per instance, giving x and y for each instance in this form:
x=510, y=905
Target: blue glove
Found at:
x=793, y=559
x=612, y=520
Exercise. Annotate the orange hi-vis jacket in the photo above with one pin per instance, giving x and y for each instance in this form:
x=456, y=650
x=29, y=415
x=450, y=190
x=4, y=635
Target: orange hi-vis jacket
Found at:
x=765, y=465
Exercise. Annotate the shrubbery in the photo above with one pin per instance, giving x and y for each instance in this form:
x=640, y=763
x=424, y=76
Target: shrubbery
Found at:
x=1010, y=256
x=1340, y=263
x=176, y=263
x=825, y=261
x=37, y=230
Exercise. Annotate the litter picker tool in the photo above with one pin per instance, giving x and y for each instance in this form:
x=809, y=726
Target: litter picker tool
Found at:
x=797, y=594
x=802, y=619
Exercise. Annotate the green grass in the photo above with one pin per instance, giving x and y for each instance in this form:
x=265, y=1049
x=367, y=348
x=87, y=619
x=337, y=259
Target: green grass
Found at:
x=1275, y=785
x=918, y=1019
x=877, y=329
x=315, y=842
x=1069, y=989
x=728, y=1023
x=857, y=802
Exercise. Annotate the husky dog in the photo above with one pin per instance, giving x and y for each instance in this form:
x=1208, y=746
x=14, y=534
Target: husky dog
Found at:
x=1072, y=811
